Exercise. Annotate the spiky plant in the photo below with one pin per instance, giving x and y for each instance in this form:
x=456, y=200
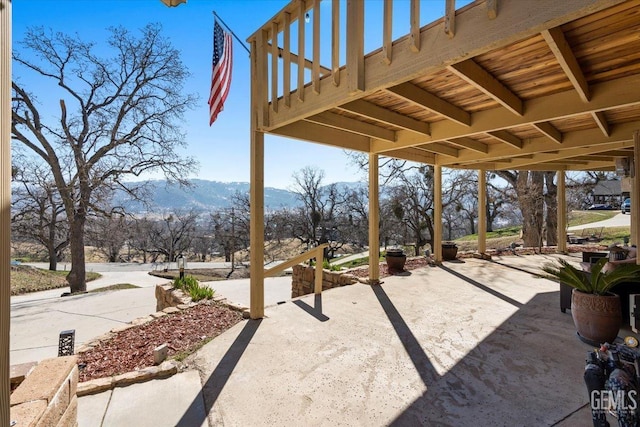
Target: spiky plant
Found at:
x=596, y=282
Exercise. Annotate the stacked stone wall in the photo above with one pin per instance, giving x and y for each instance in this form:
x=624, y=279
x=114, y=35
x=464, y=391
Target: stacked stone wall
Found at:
x=303, y=280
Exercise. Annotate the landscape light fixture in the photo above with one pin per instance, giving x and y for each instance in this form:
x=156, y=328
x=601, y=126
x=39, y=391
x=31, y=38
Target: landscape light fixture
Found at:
x=180, y=261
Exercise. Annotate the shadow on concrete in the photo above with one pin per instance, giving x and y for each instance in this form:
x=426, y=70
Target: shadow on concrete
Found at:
x=527, y=371
x=418, y=357
x=316, y=310
x=219, y=377
x=485, y=288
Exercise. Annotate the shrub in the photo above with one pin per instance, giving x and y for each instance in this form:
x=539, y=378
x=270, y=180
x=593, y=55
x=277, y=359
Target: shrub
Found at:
x=191, y=286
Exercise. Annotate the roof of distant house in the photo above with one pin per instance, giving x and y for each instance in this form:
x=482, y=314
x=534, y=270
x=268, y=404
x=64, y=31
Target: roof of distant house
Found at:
x=607, y=188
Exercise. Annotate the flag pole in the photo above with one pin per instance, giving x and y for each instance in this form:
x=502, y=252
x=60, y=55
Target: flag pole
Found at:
x=232, y=33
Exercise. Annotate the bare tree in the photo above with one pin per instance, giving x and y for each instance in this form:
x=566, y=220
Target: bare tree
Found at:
x=173, y=235
x=38, y=212
x=319, y=218
x=108, y=234
x=119, y=117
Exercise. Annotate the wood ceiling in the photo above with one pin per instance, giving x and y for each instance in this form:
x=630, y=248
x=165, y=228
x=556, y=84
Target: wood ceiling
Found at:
x=540, y=86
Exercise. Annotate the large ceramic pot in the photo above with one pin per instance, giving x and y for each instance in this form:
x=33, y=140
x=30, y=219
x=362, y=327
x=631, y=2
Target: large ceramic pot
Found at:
x=597, y=317
x=449, y=251
x=395, y=260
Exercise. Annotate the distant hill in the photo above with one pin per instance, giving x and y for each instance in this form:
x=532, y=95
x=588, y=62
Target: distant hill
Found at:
x=207, y=195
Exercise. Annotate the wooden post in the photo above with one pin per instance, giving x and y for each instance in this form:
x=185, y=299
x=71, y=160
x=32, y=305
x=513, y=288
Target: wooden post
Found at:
x=562, y=212
x=437, y=213
x=256, y=194
x=374, y=220
x=317, y=286
x=355, y=45
x=5, y=205
x=482, y=211
x=635, y=192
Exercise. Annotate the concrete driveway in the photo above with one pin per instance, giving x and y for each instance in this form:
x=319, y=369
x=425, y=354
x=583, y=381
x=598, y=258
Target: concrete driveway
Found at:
x=620, y=220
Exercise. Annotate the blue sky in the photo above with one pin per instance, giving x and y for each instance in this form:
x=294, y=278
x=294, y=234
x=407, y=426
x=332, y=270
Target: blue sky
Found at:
x=222, y=149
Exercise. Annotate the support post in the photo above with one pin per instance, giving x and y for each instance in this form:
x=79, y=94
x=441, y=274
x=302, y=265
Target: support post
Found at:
x=437, y=213
x=374, y=221
x=562, y=212
x=256, y=197
x=635, y=192
x=5, y=205
x=482, y=211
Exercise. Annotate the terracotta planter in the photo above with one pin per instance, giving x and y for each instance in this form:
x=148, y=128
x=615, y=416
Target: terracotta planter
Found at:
x=395, y=260
x=597, y=317
x=449, y=252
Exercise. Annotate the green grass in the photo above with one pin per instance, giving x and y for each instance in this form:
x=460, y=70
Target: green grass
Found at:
x=25, y=279
x=115, y=287
x=501, y=232
x=585, y=217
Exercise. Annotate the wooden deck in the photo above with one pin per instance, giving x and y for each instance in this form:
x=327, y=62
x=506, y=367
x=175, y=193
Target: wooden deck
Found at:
x=549, y=85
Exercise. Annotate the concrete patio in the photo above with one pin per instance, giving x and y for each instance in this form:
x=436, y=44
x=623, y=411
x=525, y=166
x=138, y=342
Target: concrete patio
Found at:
x=468, y=343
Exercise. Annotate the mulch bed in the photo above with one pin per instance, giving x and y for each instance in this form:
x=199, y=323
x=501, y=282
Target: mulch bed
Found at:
x=132, y=349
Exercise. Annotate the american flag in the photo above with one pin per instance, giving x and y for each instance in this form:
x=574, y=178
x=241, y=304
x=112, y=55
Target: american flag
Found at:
x=221, y=71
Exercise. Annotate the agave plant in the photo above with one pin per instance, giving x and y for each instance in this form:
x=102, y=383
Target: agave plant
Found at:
x=596, y=282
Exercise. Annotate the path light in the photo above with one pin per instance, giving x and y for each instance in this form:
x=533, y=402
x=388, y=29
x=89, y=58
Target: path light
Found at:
x=180, y=261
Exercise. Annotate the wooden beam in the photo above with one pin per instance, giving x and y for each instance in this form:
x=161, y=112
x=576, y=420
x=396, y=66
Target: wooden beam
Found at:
x=313, y=253
x=567, y=60
x=474, y=74
x=260, y=72
x=315, y=67
x=413, y=155
x=437, y=213
x=5, y=210
x=567, y=155
x=561, y=197
x=374, y=220
x=506, y=137
x=492, y=8
x=620, y=133
x=286, y=58
x=302, y=8
x=321, y=134
x=424, y=99
x=482, y=211
x=471, y=144
x=351, y=125
x=548, y=129
x=450, y=18
x=441, y=149
x=355, y=47
x=335, y=41
x=601, y=121
x=605, y=96
x=414, y=35
x=387, y=31
x=375, y=112
x=275, y=53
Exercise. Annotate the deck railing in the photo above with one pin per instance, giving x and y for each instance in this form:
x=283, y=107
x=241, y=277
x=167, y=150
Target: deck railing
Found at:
x=317, y=253
x=336, y=41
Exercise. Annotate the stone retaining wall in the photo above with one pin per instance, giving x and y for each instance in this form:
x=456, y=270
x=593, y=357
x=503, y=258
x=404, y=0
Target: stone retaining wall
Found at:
x=168, y=296
x=47, y=396
x=303, y=280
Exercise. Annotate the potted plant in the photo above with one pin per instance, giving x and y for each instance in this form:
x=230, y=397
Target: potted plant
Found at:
x=596, y=311
x=396, y=259
x=449, y=251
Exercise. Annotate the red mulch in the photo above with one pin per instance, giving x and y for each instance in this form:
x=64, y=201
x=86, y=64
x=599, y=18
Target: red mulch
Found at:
x=132, y=349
